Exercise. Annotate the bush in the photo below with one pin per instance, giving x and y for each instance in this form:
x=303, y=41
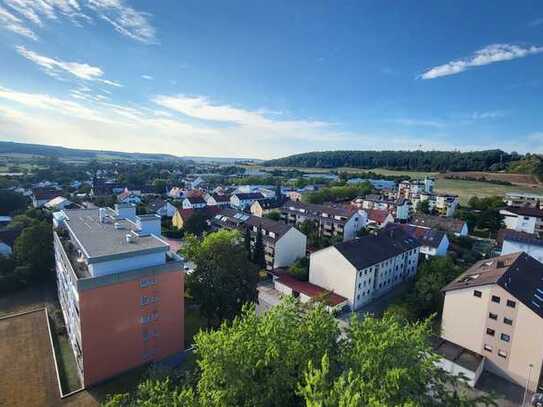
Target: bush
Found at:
x=300, y=269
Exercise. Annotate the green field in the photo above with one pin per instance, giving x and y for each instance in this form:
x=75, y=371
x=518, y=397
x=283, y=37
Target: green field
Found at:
x=466, y=189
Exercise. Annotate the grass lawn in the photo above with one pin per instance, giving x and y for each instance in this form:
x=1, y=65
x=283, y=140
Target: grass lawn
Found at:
x=466, y=189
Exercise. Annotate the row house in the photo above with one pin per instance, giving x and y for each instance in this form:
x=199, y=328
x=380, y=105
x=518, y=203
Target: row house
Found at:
x=283, y=244
x=244, y=200
x=331, y=221
x=495, y=310
x=120, y=288
x=364, y=269
x=220, y=200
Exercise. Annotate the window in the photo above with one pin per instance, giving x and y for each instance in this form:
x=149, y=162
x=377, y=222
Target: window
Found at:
x=146, y=282
x=496, y=299
x=492, y=316
x=477, y=293
x=502, y=353
x=505, y=338
x=511, y=304
x=488, y=348
x=507, y=321
x=145, y=299
x=145, y=319
x=490, y=332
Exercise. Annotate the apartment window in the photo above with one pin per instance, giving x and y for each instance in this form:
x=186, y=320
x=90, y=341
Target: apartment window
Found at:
x=148, y=334
x=502, y=353
x=496, y=299
x=146, y=299
x=511, y=303
x=145, y=319
x=492, y=316
x=146, y=282
x=490, y=332
x=488, y=348
x=477, y=293
x=505, y=337
x=507, y=321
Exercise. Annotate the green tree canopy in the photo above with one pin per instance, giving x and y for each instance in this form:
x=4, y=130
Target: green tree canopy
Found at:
x=34, y=249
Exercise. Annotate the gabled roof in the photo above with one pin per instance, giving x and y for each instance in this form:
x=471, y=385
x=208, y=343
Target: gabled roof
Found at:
x=229, y=218
x=245, y=196
x=377, y=215
x=42, y=194
x=195, y=200
x=525, y=211
x=221, y=198
x=518, y=273
x=426, y=236
x=519, y=237
x=311, y=290
x=278, y=228
x=372, y=249
x=318, y=210
x=449, y=225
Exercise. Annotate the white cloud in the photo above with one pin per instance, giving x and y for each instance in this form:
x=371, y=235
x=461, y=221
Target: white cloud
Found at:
x=57, y=68
x=496, y=114
x=147, y=77
x=419, y=122
x=14, y=24
x=488, y=55
x=124, y=19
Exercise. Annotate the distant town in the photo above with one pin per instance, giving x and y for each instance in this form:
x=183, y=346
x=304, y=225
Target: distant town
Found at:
x=111, y=269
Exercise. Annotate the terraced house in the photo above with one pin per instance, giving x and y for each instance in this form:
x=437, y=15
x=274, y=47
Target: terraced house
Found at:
x=120, y=289
x=330, y=220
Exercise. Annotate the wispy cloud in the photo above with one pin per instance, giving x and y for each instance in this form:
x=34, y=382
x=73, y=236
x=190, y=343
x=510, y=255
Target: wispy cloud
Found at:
x=124, y=19
x=495, y=114
x=15, y=24
x=58, y=68
x=485, y=56
x=147, y=77
x=419, y=122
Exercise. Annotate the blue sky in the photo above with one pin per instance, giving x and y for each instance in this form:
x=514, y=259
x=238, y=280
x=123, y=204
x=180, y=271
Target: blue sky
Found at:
x=265, y=79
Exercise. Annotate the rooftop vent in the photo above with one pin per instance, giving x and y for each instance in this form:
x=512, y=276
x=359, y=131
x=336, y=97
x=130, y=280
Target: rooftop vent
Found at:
x=130, y=238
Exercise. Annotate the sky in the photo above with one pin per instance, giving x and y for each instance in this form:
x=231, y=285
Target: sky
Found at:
x=264, y=79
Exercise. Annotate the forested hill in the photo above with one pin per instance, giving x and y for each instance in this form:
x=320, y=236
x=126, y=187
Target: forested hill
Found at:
x=487, y=160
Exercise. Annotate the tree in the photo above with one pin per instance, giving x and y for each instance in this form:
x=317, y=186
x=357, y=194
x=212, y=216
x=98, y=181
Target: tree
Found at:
x=224, y=279
x=383, y=362
x=247, y=241
x=11, y=201
x=258, y=250
x=423, y=207
x=196, y=224
x=34, y=249
x=273, y=215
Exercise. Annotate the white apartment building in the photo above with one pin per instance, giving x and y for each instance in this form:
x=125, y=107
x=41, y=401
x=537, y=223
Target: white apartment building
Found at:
x=364, y=269
x=514, y=242
x=523, y=219
x=495, y=309
x=441, y=204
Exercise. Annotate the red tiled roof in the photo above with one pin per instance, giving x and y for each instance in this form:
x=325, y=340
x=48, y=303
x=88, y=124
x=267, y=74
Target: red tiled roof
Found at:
x=377, y=215
x=311, y=290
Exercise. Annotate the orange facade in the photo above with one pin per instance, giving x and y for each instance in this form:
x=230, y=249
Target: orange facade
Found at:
x=130, y=323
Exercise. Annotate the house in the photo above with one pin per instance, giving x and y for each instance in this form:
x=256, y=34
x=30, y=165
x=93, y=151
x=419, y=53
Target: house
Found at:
x=453, y=226
x=216, y=199
x=129, y=197
x=409, y=189
x=330, y=221
x=283, y=244
x=102, y=187
x=294, y=196
x=176, y=193
x=522, y=199
x=523, y=219
x=181, y=214
x=400, y=208
x=58, y=203
x=243, y=200
x=514, y=242
x=161, y=207
x=40, y=196
x=366, y=268
x=194, y=202
x=266, y=206
x=119, y=288
x=495, y=309
x=440, y=204
x=433, y=242
x=271, y=293
x=196, y=183
x=379, y=218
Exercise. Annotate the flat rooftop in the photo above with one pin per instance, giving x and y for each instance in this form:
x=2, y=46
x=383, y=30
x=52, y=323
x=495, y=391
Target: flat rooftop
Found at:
x=103, y=240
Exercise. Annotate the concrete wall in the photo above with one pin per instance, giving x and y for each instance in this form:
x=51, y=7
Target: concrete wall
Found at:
x=112, y=331
x=289, y=248
x=330, y=270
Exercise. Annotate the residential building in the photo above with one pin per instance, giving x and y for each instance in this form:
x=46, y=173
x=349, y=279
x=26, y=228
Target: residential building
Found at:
x=283, y=244
x=331, y=221
x=58, y=203
x=440, y=204
x=495, y=309
x=379, y=218
x=129, y=197
x=266, y=206
x=399, y=208
x=271, y=293
x=514, y=242
x=177, y=193
x=453, y=226
x=217, y=199
x=161, y=207
x=194, y=202
x=366, y=268
x=103, y=187
x=120, y=289
x=523, y=219
x=523, y=199
x=7, y=240
x=412, y=188
x=181, y=214
x=432, y=242
x=243, y=200
x=40, y=196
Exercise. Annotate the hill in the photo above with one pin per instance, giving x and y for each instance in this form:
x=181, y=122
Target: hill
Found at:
x=439, y=161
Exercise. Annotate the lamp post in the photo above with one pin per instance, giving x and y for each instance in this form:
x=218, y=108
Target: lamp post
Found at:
x=527, y=384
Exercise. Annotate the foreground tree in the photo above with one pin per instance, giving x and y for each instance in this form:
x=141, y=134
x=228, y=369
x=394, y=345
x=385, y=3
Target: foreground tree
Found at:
x=33, y=249
x=224, y=279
